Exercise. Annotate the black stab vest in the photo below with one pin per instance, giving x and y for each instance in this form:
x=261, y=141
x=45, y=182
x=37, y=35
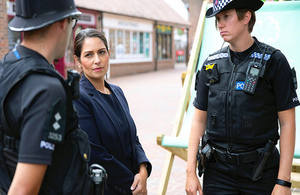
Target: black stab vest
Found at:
x=237, y=117
x=69, y=173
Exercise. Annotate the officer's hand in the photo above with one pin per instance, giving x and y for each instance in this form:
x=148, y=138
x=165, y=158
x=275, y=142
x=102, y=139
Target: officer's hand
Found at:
x=281, y=190
x=192, y=185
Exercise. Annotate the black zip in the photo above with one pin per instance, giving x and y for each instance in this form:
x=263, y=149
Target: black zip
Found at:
x=228, y=103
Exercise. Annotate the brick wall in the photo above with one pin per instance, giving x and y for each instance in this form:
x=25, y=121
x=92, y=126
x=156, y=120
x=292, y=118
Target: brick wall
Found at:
x=165, y=64
x=3, y=29
x=123, y=69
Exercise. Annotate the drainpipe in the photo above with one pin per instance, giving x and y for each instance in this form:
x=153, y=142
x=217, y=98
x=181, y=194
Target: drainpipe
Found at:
x=155, y=46
x=101, y=21
x=187, y=52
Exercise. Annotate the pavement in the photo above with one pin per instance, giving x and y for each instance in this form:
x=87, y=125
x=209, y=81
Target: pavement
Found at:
x=153, y=100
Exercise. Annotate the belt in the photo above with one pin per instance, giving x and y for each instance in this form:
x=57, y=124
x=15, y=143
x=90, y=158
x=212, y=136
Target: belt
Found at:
x=235, y=158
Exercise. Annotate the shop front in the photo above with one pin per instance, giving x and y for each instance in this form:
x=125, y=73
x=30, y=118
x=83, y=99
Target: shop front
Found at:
x=164, y=49
x=139, y=41
x=131, y=44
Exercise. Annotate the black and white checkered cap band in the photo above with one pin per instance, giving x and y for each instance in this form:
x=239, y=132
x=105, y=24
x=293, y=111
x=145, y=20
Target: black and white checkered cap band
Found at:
x=220, y=4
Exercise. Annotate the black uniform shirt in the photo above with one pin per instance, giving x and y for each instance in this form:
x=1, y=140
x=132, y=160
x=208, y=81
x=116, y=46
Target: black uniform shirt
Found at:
x=27, y=110
x=278, y=72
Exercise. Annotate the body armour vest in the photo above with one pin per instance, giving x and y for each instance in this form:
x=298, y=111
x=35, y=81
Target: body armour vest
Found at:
x=234, y=116
x=68, y=173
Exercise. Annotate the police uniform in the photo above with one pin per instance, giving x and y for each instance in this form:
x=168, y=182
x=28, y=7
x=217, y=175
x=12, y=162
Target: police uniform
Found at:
x=35, y=94
x=38, y=123
x=42, y=124
x=239, y=123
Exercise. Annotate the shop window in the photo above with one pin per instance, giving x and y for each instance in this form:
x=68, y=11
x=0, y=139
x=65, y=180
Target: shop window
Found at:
x=147, y=45
x=112, y=44
x=169, y=46
x=129, y=45
x=158, y=49
x=164, y=46
x=120, y=48
x=141, y=42
x=164, y=42
x=127, y=42
x=135, y=42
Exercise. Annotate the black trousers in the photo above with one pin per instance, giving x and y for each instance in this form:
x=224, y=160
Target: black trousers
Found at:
x=228, y=179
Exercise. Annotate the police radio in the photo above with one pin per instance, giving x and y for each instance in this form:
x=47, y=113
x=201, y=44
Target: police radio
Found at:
x=72, y=81
x=252, y=76
x=254, y=71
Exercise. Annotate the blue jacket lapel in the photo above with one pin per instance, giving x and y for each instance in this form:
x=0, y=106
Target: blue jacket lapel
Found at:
x=107, y=109
x=121, y=98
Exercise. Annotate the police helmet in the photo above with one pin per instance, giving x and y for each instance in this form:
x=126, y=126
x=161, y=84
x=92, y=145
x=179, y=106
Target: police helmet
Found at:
x=223, y=5
x=35, y=14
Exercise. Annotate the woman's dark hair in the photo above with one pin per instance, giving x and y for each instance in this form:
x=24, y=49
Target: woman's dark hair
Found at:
x=87, y=33
x=241, y=14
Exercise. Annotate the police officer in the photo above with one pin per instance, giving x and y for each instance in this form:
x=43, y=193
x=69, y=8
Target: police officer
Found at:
x=40, y=138
x=242, y=92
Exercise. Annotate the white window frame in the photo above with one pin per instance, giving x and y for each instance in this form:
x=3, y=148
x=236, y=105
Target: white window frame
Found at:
x=128, y=58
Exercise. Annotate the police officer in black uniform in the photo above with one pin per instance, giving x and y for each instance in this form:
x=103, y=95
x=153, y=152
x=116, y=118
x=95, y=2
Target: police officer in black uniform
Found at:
x=42, y=149
x=243, y=90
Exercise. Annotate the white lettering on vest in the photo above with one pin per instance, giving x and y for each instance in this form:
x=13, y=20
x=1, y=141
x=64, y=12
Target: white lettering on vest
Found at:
x=295, y=99
x=47, y=145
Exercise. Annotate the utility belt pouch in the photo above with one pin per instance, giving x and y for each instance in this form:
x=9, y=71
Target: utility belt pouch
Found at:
x=261, y=161
x=200, y=162
x=204, y=155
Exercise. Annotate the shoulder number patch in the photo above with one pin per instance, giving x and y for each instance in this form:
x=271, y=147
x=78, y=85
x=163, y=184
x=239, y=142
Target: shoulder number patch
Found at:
x=56, y=123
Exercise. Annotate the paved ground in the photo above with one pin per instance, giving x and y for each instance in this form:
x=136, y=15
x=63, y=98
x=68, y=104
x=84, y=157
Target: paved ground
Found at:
x=153, y=100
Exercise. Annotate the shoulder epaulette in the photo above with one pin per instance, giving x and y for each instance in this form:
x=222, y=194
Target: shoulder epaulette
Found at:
x=259, y=56
x=217, y=56
x=222, y=53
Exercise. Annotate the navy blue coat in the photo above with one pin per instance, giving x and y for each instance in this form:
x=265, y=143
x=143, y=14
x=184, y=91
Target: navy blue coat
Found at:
x=99, y=121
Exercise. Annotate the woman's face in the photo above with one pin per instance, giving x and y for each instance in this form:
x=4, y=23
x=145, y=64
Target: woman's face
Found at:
x=94, y=58
x=229, y=26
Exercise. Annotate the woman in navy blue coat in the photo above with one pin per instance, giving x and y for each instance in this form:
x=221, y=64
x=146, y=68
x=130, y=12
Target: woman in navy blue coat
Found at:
x=104, y=115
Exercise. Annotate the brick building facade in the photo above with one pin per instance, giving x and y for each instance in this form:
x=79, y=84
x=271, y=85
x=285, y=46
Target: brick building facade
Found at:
x=3, y=29
x=140, y=33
